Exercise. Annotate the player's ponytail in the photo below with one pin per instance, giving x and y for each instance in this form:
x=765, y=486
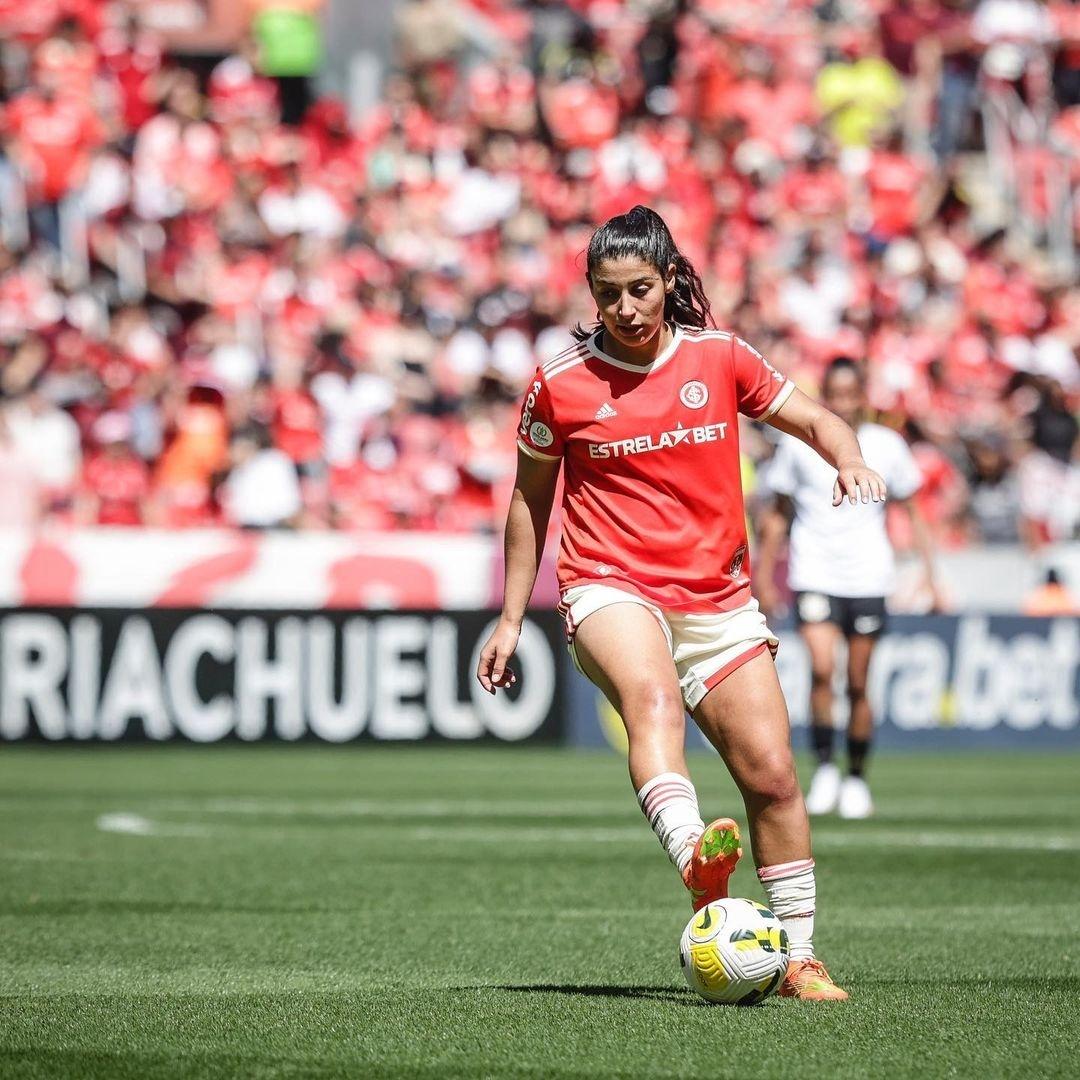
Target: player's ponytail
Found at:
x=641, y=233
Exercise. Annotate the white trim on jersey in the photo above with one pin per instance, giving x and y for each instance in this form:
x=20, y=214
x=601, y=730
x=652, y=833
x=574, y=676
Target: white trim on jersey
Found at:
x=777, y=402
x=663, y=358
x=571, y=352
x=566, y=365
x=536, y=453
x=707, y=335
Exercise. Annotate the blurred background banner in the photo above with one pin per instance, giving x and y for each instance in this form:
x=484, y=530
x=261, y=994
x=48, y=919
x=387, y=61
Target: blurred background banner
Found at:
x=119, y=567
x=936, y=682
x=114, y=674
x=221, y=567
x=111, y=674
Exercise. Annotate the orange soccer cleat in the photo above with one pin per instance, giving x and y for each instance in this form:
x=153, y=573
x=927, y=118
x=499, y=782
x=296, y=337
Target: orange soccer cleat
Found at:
x=715, y=855
x=809, y=981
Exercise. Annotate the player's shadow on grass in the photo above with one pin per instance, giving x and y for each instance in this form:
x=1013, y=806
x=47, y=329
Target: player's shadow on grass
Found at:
x=647, y=993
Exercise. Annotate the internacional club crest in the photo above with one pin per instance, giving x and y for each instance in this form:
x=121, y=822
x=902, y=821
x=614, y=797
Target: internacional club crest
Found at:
x=694, y=394
x=736, y=563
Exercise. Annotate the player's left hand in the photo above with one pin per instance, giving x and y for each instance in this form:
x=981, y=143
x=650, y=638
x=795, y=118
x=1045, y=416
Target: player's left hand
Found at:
x=858, y=482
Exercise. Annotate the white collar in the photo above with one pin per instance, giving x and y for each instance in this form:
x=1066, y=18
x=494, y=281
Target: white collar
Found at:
x=663, y=358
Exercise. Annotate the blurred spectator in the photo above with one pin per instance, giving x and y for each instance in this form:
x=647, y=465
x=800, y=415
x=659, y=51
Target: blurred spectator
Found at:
x=262, y=490
x=52, y=137
x=21, y=504
x=995, y=492
x=294, y=207
x=115, y=483
x=1049, y=473
x=196, y=451
x=860, y=92
x=1051, y=598
x=256, y=289
x=47, y=439
x=288, y=39
x=429, y=31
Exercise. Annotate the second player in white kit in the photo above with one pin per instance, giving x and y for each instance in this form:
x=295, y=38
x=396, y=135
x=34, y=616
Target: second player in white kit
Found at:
x=841, y=568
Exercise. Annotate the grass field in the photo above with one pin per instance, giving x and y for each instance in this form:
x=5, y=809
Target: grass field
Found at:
x=373, y=912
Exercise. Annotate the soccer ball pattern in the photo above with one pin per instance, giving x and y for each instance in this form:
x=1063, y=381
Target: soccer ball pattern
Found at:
x=734, y=952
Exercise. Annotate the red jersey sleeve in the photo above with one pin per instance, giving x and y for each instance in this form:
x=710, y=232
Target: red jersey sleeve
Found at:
x=759, y=388
x=538, y=432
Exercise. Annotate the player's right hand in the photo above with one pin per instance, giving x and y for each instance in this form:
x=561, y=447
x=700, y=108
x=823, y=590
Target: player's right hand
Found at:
x=857, y=480
x=492, y=670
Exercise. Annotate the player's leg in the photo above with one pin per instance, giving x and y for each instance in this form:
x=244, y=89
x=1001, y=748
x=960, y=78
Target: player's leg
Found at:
x=821, y=637
x=625, y=651
x=745, y=718
x=855, y=800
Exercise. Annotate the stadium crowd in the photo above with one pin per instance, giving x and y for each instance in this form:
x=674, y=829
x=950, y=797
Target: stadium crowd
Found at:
x=210, y=315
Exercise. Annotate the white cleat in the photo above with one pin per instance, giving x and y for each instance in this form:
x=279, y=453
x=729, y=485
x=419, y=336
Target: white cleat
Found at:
x=824, y=790
x=855, y=801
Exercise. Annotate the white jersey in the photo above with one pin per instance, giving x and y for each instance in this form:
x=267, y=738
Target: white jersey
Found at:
x=843, y=550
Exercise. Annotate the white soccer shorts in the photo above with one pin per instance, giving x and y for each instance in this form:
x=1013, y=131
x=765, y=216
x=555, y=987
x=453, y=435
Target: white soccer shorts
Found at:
x=705, y=647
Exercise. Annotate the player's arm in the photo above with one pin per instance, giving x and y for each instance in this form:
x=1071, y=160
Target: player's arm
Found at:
x=526, y=530
x=830, y=437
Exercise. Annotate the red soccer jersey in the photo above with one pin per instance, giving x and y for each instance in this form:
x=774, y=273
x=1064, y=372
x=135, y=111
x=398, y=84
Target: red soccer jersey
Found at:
x=652, y=499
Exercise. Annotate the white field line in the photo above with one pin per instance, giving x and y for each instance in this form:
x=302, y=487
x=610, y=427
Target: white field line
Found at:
x=560, y=806
x=822, y=839
x=860, y=837
x=489, y=809
x=137, y=825
x=476, y=808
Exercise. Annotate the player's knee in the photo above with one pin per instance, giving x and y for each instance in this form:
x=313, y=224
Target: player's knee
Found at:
x=857, y=690
x=773, y=780
x=821, y=678
x=653, y=706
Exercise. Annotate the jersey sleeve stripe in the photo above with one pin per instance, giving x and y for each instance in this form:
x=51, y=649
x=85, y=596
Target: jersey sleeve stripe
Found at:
x=559, y=358
x=782, y=395
x=565, y=366
x=536, y=453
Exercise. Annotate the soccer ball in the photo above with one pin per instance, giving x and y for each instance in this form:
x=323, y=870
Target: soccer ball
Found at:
x=734, y=952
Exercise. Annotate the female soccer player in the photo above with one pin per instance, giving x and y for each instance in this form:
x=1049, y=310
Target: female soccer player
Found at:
x=642, y=414
x=840, y=569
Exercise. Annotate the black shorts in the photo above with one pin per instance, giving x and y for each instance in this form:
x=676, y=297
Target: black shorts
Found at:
x=853, y=615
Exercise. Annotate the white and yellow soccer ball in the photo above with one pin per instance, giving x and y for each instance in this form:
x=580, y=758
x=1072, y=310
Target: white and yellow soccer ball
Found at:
x=734, y=952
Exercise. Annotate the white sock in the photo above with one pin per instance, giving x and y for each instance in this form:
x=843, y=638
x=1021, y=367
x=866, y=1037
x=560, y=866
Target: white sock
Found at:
x=669, y=802
x=792, y=893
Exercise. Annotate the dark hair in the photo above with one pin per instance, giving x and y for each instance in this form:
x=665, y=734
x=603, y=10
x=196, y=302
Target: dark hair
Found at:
x=840, y=365
x=642, y=234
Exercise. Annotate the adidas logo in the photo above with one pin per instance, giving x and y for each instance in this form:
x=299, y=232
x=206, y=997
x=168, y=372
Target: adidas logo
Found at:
x=605, y=412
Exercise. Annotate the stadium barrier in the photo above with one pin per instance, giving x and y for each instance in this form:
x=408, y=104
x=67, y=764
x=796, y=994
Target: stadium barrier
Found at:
x=102, y=566
x=110, y=674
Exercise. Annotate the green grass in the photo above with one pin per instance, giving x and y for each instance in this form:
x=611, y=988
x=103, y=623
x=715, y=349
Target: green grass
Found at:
x=373, y=912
